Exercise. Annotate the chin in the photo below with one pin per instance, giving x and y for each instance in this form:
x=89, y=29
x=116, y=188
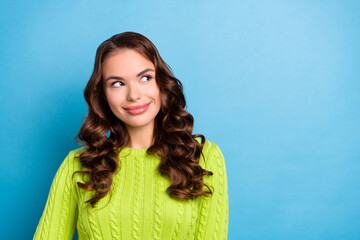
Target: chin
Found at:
x=140, y=123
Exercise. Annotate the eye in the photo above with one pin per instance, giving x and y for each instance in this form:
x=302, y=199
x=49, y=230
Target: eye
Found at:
x=146, y=77
x=117, y=84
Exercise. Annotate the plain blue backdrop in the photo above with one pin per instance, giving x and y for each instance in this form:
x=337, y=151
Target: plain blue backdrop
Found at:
x=274, y=83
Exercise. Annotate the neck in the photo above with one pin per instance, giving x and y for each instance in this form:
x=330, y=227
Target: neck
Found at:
x=141, y=137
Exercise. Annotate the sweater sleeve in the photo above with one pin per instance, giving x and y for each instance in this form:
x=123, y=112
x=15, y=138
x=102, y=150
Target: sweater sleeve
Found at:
x=58, y=220
x=212, y=223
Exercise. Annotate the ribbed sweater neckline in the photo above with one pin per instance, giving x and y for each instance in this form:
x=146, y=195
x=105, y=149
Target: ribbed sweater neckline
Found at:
x=133, y=151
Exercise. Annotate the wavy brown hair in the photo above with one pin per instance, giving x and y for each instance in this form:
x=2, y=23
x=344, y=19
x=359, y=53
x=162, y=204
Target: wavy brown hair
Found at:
x=174, y=142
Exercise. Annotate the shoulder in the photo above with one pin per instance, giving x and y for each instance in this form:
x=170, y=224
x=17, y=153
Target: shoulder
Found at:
x=72, y=159
x=213, y=161
x=209, y=147
x=212, y=153
x=76, y=152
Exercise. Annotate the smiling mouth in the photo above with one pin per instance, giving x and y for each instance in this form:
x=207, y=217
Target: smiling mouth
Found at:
x=137, y=109
x=137, y=106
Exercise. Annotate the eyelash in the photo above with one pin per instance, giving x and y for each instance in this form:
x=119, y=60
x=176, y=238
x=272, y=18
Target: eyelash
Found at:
x=148, y=76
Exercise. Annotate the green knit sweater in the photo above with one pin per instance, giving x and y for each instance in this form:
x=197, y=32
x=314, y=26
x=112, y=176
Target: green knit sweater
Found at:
x=140, y=207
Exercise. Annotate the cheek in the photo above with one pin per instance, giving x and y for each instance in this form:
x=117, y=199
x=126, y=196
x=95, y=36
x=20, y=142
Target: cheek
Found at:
x=156, y=95
x=114, y=98
x=154, y=92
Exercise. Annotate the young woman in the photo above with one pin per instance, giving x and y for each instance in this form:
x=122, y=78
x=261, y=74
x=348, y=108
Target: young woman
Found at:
x=141, y=173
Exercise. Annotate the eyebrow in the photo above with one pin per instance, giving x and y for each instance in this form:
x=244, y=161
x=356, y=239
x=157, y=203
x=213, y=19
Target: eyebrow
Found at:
x=138, y=75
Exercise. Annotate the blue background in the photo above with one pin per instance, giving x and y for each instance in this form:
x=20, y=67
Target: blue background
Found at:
x=274, y=83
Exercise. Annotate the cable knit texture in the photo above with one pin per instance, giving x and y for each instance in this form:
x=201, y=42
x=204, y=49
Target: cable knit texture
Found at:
x=140, y=207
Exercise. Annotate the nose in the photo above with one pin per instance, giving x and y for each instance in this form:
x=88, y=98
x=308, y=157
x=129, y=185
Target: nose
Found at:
x=133, y=93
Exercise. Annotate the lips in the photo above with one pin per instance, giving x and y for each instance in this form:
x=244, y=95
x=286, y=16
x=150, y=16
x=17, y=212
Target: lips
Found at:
x=137, y=106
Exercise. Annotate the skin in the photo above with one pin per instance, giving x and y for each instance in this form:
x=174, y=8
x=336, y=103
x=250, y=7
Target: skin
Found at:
x=132, y=90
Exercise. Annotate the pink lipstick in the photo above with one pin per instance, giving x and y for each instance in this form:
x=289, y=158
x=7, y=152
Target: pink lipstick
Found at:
x=137, y=109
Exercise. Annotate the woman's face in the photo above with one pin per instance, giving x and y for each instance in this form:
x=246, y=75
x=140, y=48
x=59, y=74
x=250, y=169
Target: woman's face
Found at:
x=130, y=88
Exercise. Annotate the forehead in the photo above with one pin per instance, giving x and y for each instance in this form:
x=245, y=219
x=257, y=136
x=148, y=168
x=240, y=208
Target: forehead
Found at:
x=125, y=61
